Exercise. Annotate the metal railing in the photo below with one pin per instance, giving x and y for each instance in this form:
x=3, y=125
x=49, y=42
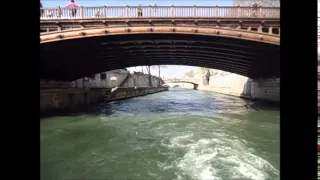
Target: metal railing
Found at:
x=160, y=12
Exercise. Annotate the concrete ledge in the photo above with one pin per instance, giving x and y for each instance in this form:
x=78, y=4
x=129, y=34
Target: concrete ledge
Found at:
x=147, y=92
x=125, y=93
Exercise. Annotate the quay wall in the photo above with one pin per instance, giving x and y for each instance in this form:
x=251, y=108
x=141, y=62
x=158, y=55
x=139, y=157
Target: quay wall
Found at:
x=237, y=85
x=55, y=100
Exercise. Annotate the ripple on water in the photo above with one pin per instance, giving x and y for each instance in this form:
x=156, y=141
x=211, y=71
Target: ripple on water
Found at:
x=216, y=158
x=169, y=135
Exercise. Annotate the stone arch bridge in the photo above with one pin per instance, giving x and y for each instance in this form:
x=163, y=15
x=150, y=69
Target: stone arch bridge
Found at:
x=242, y=40
x=193, y=81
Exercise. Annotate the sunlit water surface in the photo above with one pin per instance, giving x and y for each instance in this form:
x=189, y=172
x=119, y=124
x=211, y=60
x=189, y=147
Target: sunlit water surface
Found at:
x=178, y=134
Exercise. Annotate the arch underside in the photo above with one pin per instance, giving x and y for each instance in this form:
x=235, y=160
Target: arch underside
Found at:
x=76, y=58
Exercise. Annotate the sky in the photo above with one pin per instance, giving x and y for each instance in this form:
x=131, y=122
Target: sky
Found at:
x=170, y=71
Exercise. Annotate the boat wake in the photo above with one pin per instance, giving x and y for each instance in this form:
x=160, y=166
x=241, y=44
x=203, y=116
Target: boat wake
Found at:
x=217, y=158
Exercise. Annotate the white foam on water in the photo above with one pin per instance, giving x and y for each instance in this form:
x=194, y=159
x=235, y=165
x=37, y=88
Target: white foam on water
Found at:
x=180, y=141
x=153, y=175
x=165, y=166
x=239, y=169
x=215, y=159
x=196, y=162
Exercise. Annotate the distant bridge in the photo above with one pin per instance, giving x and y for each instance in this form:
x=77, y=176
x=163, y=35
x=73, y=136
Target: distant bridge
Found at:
x=182, y=80
x=193, y=81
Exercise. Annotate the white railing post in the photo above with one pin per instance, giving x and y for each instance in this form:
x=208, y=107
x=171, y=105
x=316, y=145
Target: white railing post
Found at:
x=150, y=10
x=81, y=12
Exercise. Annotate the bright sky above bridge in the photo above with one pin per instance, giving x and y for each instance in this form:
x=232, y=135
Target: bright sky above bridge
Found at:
x=54, y=3
x=170, y=71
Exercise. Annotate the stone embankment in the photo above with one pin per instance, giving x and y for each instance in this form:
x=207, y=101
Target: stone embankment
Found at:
x=113, y=85
x=60, y=100
x=237, y=85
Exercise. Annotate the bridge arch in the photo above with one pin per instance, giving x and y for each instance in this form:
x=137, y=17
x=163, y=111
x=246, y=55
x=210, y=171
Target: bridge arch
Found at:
x=69, y=55
x=221, y=32
x=166, y=85
x=195, y=83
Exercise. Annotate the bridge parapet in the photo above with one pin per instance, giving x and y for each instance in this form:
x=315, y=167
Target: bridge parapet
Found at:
x=261, y=19
x=100, y=12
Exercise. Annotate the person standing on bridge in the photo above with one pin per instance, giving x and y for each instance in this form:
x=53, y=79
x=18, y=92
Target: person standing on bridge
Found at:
x=139, y=11
x=41, y=10
x=73, y=7
x=255, y=9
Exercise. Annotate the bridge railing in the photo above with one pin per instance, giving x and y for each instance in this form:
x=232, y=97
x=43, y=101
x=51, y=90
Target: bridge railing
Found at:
x=160, y=12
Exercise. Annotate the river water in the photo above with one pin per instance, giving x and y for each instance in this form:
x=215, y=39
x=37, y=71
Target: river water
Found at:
x=177, y=134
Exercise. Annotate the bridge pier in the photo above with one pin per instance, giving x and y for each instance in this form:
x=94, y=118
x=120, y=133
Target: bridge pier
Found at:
x=195, y=87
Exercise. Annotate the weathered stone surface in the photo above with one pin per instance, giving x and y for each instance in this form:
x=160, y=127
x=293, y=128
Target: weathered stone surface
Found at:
x=136, y=79
x=237, y=85
x=52, y=100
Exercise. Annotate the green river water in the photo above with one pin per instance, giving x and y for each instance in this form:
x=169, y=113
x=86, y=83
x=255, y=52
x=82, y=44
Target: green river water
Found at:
x=177, y=134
